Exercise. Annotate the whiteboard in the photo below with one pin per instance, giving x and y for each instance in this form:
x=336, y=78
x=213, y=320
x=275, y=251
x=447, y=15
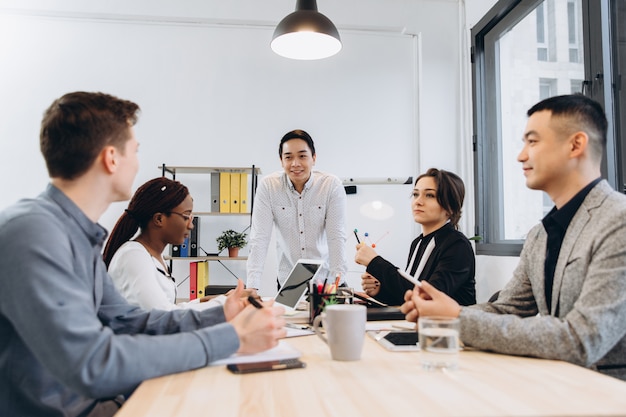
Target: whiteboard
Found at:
x=215, y=95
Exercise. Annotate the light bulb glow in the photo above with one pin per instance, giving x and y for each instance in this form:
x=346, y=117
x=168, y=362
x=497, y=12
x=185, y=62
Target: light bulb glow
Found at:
x=376, y=210
x=306, y=45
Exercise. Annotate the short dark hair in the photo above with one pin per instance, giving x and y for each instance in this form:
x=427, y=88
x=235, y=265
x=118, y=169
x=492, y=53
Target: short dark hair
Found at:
x=159, y=195
x=296, y=134
x=578, y=113
x=450, y=192
x=77, y=126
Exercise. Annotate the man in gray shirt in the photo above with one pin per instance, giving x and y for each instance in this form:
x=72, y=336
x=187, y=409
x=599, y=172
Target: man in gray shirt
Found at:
x=69, y=343
x=567, y=297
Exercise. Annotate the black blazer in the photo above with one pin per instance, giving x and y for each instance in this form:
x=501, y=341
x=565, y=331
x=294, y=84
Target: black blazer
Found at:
x=450, y=268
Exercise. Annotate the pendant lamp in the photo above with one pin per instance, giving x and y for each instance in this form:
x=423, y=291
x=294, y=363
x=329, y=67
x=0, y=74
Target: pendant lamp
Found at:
x=306, y=34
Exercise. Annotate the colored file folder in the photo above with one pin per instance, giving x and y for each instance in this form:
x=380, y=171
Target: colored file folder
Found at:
x=202, y=278
x=193, y=280
x=215, y=192
x=184, y=248
x=235, y=179
x=193, y=237
x=243, y=193
x=224, y=192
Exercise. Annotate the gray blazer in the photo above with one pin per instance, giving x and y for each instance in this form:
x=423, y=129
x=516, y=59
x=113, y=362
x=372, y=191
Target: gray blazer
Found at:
x=587, y=324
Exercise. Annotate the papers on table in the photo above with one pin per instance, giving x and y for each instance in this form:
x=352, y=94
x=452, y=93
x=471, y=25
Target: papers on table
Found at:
x=294, y=330
x=282, y=351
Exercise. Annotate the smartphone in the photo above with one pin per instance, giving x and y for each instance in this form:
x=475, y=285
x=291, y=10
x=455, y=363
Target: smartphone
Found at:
x=246, y=368
x=396, y=340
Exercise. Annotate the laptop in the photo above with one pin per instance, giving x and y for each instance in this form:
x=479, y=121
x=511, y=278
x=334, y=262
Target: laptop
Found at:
x=296, y=284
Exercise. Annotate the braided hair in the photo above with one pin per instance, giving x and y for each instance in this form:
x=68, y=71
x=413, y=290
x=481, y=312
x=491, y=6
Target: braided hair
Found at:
x=159, y=195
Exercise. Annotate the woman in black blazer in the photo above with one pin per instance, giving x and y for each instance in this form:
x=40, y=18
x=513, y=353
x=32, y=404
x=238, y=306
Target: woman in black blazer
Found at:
x=441, y=255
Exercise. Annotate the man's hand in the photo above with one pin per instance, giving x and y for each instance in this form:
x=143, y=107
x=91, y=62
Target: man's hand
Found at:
x=428, y=301
x=364, y=254
x=259, y=328
x=370, y=285
x=408, y=308
x=235, y=301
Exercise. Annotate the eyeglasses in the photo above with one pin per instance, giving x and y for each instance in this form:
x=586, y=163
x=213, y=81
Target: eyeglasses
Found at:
x=186, y=217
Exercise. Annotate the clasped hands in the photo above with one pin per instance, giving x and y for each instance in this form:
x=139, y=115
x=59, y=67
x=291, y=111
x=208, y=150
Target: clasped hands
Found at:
x=428, y=301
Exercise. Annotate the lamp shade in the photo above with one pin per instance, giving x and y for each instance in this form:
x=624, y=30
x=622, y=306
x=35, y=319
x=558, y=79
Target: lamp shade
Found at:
x=306, y=34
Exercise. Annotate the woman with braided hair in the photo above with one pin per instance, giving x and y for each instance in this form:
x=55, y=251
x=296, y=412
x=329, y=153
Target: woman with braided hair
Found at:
x=161, y=210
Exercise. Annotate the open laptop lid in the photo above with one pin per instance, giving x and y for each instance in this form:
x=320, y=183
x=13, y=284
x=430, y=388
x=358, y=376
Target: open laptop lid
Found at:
x=296, y=284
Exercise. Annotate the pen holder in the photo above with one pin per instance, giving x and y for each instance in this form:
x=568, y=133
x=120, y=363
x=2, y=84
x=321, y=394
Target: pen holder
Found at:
x=317, y=302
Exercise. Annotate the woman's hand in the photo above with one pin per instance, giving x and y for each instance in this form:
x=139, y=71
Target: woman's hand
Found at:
x=364, y=254
x=370, y=285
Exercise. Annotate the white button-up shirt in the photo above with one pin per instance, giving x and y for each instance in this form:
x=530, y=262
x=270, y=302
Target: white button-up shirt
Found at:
x=310, y=224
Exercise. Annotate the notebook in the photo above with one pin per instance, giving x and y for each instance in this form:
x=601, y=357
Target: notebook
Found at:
x=296, y=284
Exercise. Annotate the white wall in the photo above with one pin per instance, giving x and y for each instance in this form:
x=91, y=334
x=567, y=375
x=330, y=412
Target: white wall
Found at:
x=204, y=102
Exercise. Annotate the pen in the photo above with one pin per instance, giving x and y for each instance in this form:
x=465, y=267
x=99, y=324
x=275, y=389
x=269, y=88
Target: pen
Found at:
x=297, y=326
x=370, y=299
x=254, y=302
x=410, y=278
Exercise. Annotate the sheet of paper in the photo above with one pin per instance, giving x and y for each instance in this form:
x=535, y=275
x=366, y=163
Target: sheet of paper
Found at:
x=282, y=351
x=294, y=330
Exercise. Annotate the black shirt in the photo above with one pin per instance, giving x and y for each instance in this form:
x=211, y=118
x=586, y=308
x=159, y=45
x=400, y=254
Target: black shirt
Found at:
x=556, y=223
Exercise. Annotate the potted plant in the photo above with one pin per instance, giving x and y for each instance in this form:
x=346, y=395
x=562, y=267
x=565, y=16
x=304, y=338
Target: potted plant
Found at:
x=231, y=240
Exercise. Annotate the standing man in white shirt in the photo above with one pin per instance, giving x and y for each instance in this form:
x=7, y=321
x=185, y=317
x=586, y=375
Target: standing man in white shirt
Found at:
x=308, y=209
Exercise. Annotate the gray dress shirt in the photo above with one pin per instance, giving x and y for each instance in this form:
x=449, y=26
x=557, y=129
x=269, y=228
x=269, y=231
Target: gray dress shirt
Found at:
x=67, y=338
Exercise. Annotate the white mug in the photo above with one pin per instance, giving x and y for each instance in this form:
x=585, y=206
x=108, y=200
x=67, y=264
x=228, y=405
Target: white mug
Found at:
x=345, y=330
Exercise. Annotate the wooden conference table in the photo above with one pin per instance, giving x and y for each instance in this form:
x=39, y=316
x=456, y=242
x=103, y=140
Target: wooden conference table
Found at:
x=384, y=383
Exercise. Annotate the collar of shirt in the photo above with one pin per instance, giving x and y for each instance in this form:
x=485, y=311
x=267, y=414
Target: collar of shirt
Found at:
x=94, y=232
x=563, y=216
x=290, y=185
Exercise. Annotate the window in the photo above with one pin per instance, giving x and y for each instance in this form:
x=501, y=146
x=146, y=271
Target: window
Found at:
x=510, y=75
x=542, y=46
x=573, y=30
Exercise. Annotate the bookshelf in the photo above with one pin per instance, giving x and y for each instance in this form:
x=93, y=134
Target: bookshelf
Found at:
x=241, y=208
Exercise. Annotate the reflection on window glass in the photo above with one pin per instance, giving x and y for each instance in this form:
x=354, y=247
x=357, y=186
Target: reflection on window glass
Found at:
x=577, y=86
x=574, y=30
x=528, y=73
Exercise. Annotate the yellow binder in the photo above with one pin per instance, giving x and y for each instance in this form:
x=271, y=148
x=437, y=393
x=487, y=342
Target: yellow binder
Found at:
x=235, y=177
x=202, y=277
x=224, y=192
x=243, y=193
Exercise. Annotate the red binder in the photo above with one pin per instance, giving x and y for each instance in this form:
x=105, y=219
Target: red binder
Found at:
x=193, y=280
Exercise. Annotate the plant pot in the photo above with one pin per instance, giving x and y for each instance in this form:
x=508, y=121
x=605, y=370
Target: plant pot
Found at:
x=233, y=252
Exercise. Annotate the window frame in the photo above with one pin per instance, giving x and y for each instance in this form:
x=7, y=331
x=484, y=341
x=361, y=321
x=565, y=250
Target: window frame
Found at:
x=486, y=141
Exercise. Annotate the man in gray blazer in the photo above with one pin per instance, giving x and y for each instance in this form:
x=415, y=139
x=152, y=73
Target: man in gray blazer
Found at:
x=567, y=297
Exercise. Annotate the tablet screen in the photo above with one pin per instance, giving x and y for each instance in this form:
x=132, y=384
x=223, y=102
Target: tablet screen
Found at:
x=396, y=340
x=296, y=283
